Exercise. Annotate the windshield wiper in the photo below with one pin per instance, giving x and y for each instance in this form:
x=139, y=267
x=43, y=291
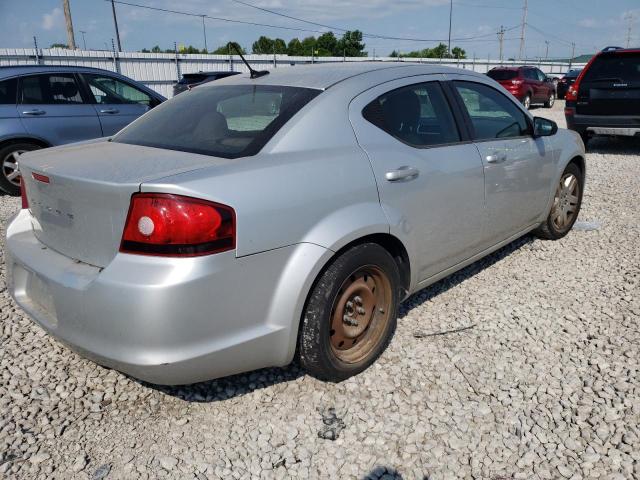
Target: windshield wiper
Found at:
x=253, y=73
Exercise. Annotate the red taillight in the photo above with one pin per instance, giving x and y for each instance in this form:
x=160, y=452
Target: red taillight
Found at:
x=572, y=92
x=177, y=226
x=23, y=195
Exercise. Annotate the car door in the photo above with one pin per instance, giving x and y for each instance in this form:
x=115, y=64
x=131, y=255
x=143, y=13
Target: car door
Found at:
x=517, y=167
x=546, y=85
x=430, y=181
x=117, y=103
x=52, y=108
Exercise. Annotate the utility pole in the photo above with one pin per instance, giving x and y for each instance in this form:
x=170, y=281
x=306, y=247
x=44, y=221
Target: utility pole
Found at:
x=71, y=41
x=115, y=22
x=450, y=18
x=546, y=54
x=84, y=42
x=629, y=16
x=204, y=33
x=573, y=54
x=501, y=40
x=522, y=31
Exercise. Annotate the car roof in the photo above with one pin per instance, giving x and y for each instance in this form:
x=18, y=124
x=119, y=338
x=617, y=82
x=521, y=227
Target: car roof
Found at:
x=324, y=75
x=16, y=70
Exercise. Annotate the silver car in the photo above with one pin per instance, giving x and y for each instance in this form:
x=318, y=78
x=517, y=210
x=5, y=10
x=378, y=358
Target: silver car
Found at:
x=45, y=105
x=251, y=220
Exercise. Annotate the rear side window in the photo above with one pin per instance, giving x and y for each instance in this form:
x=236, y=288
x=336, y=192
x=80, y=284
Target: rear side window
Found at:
x=228, y=121
x=502, y=74
x=8, y=91
x=492, y=114
x=50, y=89
x=418, y=115
x=189, y=79
x=623, y=67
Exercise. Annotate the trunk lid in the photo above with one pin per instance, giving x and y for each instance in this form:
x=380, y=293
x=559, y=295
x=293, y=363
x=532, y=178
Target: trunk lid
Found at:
x=611, y=85
x=79, y=195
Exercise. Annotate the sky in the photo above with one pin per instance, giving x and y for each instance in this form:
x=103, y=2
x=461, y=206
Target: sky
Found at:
x=590, y=24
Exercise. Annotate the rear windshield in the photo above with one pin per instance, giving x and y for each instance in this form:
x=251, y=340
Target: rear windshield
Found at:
x=228, y=121
x=572, y=74
x=616, y=68
x=503, y=74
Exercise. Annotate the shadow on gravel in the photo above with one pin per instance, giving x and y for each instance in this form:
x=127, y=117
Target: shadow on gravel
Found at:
x=230, y=387
x=460, y=276
x=386, y=473
x=614, y=145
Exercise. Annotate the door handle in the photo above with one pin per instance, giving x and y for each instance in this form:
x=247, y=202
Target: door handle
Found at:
x=403, y=173
x=35, y=111
x=496, y=157
x=110, y=111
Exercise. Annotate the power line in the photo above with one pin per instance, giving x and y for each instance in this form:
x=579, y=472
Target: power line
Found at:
x=364, y=34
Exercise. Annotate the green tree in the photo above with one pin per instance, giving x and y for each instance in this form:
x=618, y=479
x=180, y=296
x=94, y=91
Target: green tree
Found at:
x=439, y=52
x=279, y=46
x=295, y=48
x=458, y=52
x=351, y=44
x=59, y=45
x=156, y=49
x=262, y=45
x=228, y=48
x=308, y=45
x=327, y=45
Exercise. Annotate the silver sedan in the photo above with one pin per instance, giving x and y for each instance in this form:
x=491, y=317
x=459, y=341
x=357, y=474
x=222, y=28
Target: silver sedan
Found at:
x=253, y=219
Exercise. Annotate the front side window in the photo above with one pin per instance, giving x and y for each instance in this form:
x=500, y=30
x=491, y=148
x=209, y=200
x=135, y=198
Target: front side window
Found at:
x=50, y=89
x=8, y=91
x=492, y=114
x=228, y=121
x=418, y=115
x=109, y=90
x=541, y=76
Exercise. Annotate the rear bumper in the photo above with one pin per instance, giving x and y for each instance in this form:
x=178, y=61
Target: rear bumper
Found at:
x=166, y=320
x=603, y=125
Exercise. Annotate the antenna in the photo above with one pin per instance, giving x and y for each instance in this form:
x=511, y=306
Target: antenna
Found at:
x=253, y=73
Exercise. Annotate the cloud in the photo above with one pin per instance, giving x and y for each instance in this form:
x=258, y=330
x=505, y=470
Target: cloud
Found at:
x=588, y=23
x=52, y=20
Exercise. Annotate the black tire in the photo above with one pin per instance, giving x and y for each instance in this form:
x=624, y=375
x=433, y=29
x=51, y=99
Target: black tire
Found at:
x=549, y=229
x=6, y=152
x=526, y=101
x=550, y=101
x=316, y=351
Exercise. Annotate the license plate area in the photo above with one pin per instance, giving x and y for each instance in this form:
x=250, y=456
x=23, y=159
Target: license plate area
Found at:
x=34, y=295
x=626, y=132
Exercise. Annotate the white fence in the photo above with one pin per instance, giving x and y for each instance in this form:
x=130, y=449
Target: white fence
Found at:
x=160, y=71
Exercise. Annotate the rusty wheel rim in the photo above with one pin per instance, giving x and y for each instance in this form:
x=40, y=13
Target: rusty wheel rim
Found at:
x=360, y=314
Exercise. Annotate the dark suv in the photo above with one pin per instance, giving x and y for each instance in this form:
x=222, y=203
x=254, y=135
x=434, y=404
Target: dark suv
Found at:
x=528, y=84
x=605, y=98
x=190, y=80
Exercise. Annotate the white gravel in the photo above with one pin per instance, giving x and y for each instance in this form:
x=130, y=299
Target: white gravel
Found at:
x=524, y=366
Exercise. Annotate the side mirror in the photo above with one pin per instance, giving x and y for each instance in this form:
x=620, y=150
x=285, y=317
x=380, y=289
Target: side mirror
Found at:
x=543, y=127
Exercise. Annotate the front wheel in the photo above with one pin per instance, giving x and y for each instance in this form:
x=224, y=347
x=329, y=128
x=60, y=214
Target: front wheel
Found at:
x=10, y=177
x=550, y=101
x=566, y=205
x=350, y=314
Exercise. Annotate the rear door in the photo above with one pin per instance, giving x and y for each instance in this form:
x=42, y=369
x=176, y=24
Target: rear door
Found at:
x=517, y=167
x=51, y=107
x=611, y=85
x=117, y=103
x=430, y=181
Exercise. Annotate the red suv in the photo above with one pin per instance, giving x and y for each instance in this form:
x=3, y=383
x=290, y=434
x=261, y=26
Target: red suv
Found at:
x=605, y=98
x=528, y=84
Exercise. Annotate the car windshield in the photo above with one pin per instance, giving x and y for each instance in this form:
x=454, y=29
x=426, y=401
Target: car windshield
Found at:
x=228, y=121
x=503, y=74
x=622, y=67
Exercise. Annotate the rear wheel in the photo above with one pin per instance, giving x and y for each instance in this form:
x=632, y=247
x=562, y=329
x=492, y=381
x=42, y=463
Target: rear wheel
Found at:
x=350, y=314
x=551, y=100
x=10, y=177
x=566, y=205
x=526, y=101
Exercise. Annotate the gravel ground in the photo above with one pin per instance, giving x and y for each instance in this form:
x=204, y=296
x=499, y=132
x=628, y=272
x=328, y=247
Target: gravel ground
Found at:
x=524, y=365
